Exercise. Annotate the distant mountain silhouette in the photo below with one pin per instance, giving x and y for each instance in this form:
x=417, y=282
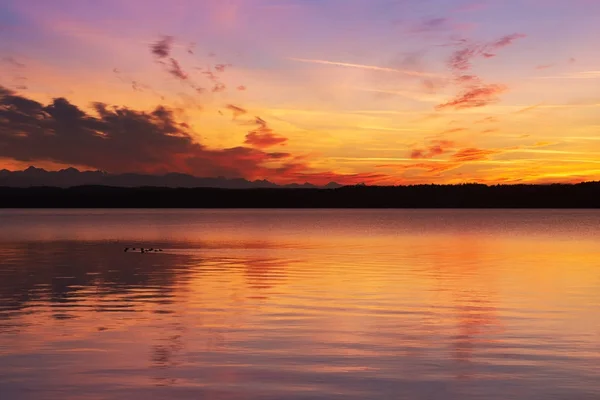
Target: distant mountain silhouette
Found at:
x=72, y=177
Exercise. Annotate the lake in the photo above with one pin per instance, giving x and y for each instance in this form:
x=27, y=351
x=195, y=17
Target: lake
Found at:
x=300, y=304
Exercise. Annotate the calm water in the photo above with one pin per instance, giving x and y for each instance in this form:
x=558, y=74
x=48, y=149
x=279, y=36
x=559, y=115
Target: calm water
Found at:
x=300, y=305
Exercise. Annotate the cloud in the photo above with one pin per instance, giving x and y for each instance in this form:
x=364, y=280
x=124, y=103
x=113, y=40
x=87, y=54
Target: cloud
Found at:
x=237, y=111
x=467, y=79
x=219, y=87
x=461, y=59
x=477, y=96
x=528, y=109
x=369, y=67
x=454, y=130
x=221, y=67
x=436, y=148
x=13, y=62
x=162, y=48
x=191, y=47
x=176, y=71
x=263, y=136
x=487, y=120
x=544, y=66
x=506, y=40
x=120, y=139
x=437, y=166
x=474, y=92
x=241, y=88
x=430, y=25
x=577, y=75
x=473, y=154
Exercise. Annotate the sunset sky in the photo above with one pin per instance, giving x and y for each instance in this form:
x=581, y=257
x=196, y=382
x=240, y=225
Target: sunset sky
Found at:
x=374, y=91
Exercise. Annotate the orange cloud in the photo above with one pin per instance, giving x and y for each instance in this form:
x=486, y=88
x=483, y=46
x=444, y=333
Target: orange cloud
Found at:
x=475, y=97
x=436, y=148
x=473, y=154
x=475, y=93
x=527, y=109
x=487, y=120
x=263, y=136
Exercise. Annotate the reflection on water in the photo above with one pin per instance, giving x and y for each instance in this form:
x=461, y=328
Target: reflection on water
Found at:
x=300, y=304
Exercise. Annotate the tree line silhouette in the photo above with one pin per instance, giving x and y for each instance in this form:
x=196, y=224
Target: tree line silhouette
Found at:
x=583, y=195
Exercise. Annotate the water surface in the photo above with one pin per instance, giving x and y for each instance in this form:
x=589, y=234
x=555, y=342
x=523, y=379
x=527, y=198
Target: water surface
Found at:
x=287, y=304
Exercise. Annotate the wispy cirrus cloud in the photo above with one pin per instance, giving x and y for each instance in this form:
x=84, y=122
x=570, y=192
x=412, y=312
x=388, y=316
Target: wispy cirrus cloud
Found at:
x=419, y=74
x=576, y=75
x=13, y=62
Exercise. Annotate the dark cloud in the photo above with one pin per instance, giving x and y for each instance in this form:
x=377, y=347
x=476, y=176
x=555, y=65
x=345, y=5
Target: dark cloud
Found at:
x=162, y=48
x=120, y=139
x=176, y=70
x=115, y=139
x=241, y=88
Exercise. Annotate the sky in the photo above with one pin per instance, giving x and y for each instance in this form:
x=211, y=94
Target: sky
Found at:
x=352, y=91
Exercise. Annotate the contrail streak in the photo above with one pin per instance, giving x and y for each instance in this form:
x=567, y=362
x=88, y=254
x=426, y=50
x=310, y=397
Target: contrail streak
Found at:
x=371, y=67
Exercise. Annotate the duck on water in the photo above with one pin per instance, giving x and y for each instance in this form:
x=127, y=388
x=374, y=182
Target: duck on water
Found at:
x=141, y=250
